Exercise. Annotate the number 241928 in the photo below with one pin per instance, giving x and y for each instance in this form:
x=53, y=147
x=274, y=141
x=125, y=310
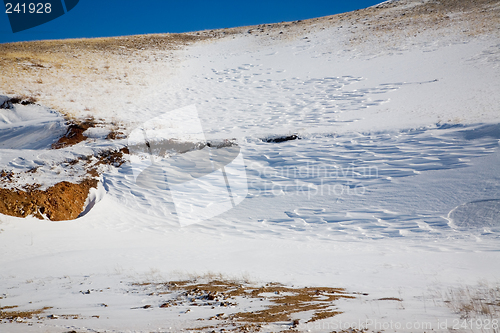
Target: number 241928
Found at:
x=32, y=8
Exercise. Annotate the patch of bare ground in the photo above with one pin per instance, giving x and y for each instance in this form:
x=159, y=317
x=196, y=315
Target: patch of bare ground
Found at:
x=7, y=313
x=64, y=200
x=289, y=301
x=116, y=134
x=74, y=133
x=283, y=303
x=27, y=57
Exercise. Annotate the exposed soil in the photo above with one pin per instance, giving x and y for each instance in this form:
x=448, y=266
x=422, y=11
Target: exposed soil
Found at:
x=113, y=157
x=116, y=135
x=74, y=134
x=219, y=293
x=63, y=201
x=8, y=313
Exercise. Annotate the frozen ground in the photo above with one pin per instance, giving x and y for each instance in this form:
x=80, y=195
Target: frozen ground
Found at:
x=390, y=188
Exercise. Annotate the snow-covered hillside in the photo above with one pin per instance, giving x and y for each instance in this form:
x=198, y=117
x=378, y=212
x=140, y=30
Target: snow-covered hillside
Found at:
x=357, y=151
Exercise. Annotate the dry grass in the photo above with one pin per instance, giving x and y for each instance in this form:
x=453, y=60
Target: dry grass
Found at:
x=94, y=56
x=19, y=315
x=472, y=302
x=289, y=301
x=323, y=315
x=61, y=53
x=75, y=76
x=18, y=99
x=283, y=302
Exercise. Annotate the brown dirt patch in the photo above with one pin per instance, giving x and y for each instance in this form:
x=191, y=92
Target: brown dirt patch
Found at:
x=116, y=135
x=219, y=293
x=14, y=315
x=74, y=134
x=63, y=201
x=294, y=300
x=112, y=157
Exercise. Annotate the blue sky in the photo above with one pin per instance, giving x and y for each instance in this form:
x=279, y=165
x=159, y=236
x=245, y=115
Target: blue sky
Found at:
x=93, y=18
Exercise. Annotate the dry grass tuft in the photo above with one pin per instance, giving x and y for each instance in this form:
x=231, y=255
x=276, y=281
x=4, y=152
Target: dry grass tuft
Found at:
x=390, y=299
x=19, y=99
x=323, y=315
x=472, y=302
x=19, y=315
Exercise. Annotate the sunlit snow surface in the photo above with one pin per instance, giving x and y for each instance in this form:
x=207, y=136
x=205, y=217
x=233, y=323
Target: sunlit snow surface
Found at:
x=374, y=157
x=391, y=185
x=355, y=186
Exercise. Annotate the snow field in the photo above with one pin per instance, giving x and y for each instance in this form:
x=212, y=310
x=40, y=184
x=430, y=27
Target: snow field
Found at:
x=390, y=187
